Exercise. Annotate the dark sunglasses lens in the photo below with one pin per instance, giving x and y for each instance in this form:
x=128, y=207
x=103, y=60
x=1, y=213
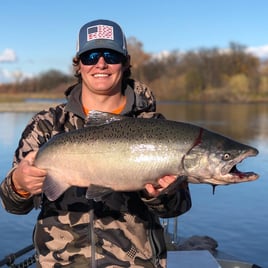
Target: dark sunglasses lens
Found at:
x=90, y=58
x=110, y=57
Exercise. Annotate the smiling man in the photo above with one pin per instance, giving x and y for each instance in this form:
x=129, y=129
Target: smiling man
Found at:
x=123, y=228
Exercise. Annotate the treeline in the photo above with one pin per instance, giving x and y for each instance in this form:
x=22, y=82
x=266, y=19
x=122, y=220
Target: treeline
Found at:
x=202, y=75
x=50, y=81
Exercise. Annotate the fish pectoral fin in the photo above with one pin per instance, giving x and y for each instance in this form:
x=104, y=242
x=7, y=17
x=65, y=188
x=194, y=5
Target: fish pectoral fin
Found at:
x=97, y=192
x=53, y=189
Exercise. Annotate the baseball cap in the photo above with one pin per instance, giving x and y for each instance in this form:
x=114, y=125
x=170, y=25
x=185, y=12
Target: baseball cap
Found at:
x=101, y=34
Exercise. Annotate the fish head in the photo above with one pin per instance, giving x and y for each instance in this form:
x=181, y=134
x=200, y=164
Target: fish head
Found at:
x=214, y=159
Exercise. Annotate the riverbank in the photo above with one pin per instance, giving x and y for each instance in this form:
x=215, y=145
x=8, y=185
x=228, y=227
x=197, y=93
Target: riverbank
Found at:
x=26, y=106
x=36, y=105
x=28, y=102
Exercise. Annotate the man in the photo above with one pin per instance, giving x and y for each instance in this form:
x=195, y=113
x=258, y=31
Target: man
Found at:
x=123, y=229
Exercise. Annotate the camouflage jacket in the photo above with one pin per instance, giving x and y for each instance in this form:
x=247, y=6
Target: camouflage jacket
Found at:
x=124, y=228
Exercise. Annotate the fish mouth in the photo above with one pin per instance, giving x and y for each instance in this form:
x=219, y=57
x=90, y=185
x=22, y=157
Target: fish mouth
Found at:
x=239, y=176
x=231, y=174
x=226, y=173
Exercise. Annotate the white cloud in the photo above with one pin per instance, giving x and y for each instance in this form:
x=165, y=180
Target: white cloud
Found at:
x=7, y=76
x=261, y=51
x=8, y=55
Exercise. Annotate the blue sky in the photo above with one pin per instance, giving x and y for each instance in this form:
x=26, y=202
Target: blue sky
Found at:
x=39, y=35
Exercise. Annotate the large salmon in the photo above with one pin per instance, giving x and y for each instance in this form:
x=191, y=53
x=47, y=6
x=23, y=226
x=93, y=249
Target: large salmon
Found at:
x=123, y=154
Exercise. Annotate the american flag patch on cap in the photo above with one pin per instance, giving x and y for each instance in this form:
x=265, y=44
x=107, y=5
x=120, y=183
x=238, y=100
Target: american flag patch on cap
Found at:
x=100, y=32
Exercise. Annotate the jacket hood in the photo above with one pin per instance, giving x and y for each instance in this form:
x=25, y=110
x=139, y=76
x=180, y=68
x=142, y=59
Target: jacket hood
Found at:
x=139, y=99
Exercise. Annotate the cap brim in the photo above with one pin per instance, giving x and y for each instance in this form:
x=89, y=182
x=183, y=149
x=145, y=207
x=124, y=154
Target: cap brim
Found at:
x=99, y=44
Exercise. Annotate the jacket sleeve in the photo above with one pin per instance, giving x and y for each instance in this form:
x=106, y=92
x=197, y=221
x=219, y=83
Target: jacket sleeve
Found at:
x=171, y=204
x=11, y=201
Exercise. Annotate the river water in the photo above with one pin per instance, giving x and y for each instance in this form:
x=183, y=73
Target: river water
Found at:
x=236, y=215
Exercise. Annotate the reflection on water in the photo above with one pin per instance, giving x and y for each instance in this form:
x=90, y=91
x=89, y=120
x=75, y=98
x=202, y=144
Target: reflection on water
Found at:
x=236, y=216
x=240, y=121
x=12, y=124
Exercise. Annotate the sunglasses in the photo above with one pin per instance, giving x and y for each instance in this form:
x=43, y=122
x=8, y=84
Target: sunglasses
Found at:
x=110, y=57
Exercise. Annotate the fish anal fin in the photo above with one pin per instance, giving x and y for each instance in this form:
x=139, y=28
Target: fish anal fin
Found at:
x=97, y=192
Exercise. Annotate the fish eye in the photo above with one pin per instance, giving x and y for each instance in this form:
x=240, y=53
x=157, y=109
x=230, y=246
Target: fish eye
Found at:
x=226, y=156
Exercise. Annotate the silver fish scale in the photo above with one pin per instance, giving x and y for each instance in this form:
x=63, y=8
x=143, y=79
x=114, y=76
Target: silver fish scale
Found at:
x=134, y=129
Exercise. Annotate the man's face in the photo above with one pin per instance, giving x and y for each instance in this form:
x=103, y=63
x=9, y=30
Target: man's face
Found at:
x=102, y=71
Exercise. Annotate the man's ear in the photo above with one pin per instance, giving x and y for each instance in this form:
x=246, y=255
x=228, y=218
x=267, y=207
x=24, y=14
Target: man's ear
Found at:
x=127, y=62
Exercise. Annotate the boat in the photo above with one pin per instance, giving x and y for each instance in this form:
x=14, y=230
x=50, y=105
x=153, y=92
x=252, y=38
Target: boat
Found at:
x=203, y=258
x=11, y=259
x=197, y=251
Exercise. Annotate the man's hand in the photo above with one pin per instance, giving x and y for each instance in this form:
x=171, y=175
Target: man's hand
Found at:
x=28, y=178
x=163, y=182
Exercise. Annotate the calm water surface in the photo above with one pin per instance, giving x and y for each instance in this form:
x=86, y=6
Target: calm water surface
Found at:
x=236, y=215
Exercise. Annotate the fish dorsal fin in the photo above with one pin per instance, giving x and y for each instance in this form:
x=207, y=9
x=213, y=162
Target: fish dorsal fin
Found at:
x=98, y=118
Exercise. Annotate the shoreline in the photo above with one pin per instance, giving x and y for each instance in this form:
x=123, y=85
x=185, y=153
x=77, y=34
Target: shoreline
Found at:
x=25, y=107
x=37, y=105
